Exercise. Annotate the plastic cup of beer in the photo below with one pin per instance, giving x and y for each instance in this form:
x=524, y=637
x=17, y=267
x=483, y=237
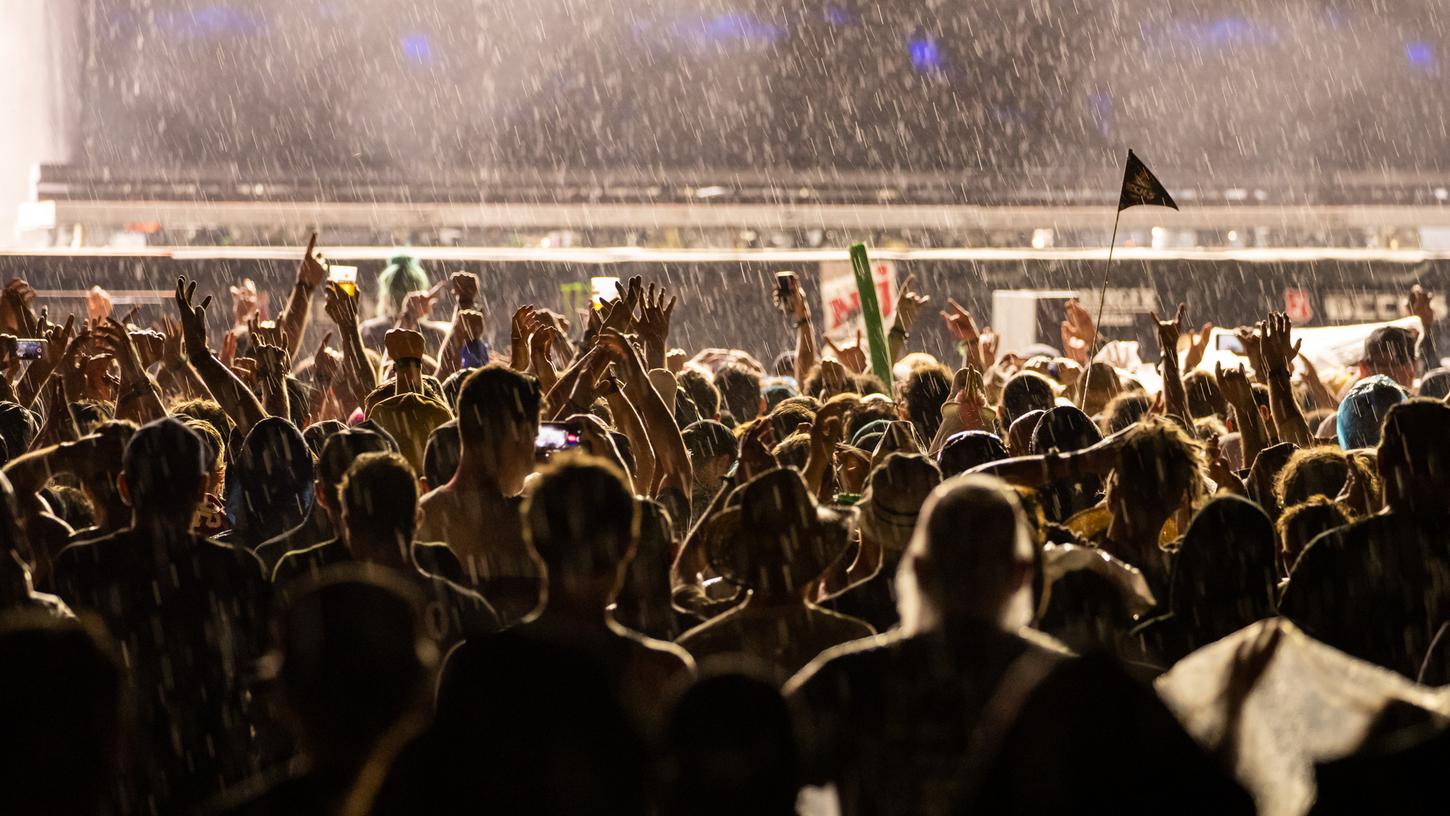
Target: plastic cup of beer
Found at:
x=345, y=277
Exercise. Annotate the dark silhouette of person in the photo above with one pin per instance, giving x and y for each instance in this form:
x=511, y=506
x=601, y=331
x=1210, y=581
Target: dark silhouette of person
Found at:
x=729, y=748
x=64, y=713
x=1224, y=577
x=353, y=678
x=944, y=712
x=582, y=522
x=777, y=543
x=1379, y=588
x=189, y=614
x=643, y=603
x=334, y=457
x=477, y=513
x=1066, y=429
x=525, y=723
x=269, y=487
x=338, y=455
x=377, y=515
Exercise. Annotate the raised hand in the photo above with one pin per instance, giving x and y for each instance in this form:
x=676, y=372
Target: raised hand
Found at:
x=341, y=307
x=755, y=456
x=1417, y=304
x=272, y=334
x=471, y=320
x=193, y=318
x=1078, y=332
x=98, y=304
x=853, y=357
x=1278, y=353
x=417, y=305
x=654, y=324
x=990, y=343
x=171, y=344
x=244, y=300
x=312, y=270
x=909, y=303
x=149, y=343
x=1253, y=343
x=959, y=321
x=465, y=288
x=228, y=353
x=1197, y=347
x=273, y=362
x=113, y=339
x=1234, y=382
x=326, y=363
x=404, y=344
x=57, y=340
x=17, y=298
x=1170, y=330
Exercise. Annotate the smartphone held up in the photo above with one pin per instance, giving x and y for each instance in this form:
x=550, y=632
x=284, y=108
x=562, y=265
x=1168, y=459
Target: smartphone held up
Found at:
x=787, y=283
x=554, y=437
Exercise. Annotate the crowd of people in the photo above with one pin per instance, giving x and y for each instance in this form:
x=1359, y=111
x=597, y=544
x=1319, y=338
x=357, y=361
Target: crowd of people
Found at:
x=590, y=572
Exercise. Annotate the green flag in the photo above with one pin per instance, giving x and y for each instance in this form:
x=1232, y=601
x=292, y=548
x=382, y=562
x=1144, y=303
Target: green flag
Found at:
x=871, y=314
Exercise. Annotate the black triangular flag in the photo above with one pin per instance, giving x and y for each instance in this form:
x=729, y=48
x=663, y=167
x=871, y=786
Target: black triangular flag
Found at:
x=1140, y=186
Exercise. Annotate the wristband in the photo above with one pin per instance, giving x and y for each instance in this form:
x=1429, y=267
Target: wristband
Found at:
x=408, y=361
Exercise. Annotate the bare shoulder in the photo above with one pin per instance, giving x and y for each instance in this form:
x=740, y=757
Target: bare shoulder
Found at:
x=854, y=628
x=663, y=654
x=837, y=657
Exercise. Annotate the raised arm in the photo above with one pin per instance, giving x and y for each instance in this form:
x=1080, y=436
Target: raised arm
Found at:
x=357, y=377
x=805, y=335
x=405, y=348
x=462, y=329
x=136, y=398
x=672, y=461
x=311, y=272
x=1279, y=357
x=57, y=341
x=235, y=398
x=1175, y=396
x=909, y=303
x=1234, y=383
x=964, y=328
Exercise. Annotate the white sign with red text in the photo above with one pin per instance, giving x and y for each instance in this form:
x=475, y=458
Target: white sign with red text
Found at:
x=841, y=301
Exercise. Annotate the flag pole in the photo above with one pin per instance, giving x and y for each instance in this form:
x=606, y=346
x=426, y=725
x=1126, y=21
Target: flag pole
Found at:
x=1098, y=322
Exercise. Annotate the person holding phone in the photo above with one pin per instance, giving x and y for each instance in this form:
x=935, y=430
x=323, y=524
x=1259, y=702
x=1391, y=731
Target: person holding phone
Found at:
x=477, y=513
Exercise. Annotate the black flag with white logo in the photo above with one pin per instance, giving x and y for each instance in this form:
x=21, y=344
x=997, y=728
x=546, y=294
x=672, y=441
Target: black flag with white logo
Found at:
x=1140, y=186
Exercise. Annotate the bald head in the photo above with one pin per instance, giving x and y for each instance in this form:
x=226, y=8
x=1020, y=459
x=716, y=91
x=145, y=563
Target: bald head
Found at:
x=969, y=558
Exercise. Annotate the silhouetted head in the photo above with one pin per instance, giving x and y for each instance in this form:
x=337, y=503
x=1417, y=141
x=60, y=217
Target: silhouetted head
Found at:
x=275, y=475
x=1414, y=456
x=1363, y=411
x=354, y=660
x=1225, y=574
x=164, y=472
x=922, y=394
x=526, y=721
x=582, y=521
x=338, y=454
x=1026, y=391
x=380, y=501
x=970, y=559
x=1316, y=471
x=498, y=415
x=729, y=750
x=965, y=450
x=739, y=392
